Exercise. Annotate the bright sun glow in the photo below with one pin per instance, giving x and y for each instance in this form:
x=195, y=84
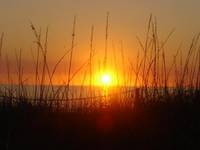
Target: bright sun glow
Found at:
x=106, y=79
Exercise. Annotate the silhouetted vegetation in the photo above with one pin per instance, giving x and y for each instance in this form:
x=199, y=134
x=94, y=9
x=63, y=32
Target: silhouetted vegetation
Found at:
x=159, y=109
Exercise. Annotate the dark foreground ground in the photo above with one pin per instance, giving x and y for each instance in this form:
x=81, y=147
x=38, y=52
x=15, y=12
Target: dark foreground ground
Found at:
x=159, y=126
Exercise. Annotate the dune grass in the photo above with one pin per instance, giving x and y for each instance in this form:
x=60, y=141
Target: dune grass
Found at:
x=156, y=108
x=159, y=82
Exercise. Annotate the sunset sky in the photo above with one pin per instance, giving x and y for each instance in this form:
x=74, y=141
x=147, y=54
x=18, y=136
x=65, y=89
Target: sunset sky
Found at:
x=128, y=19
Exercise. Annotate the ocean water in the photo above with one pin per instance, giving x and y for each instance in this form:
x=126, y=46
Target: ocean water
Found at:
x=78, y=97
x=60, y=91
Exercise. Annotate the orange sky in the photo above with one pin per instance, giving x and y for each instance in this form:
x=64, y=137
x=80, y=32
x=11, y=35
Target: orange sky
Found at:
x=128, y=19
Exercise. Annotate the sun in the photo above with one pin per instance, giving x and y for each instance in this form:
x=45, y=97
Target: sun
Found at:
x=106, y=79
